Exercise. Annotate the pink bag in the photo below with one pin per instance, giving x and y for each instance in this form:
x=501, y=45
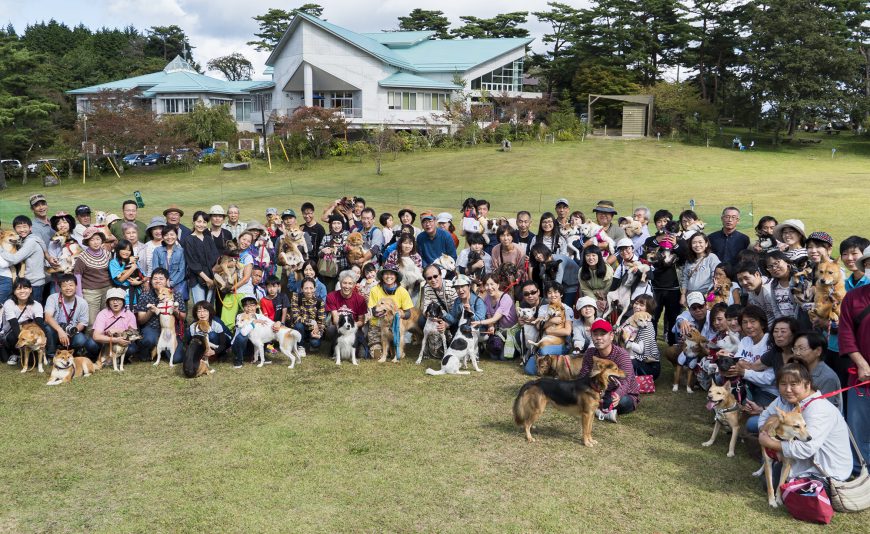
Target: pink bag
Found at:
x=807, y=500
x=645, y=383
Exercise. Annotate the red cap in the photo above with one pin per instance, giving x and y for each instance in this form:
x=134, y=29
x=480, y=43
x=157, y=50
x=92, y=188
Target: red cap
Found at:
x=601, y=324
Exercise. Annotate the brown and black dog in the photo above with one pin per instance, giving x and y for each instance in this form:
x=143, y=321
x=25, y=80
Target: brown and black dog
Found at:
x=388, y=308
x=578, y=397
x=562, y=366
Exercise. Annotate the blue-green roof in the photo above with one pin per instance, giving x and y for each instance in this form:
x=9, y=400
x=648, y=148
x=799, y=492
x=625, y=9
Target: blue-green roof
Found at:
x=413, y=51
x=176, y=77
x=412, y=81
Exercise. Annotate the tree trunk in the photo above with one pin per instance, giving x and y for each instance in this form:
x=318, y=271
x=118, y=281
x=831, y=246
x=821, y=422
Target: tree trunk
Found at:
x=2, y=178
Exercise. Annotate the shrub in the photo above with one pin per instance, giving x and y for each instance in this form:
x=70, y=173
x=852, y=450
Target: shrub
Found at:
x=244, y=156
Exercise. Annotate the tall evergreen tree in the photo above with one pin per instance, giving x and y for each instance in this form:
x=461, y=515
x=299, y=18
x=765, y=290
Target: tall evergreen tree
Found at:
x=502, y=25
x=424, y=20
x=274, y=22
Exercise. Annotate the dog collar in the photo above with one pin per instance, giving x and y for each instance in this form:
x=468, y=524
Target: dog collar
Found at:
x=734, y=408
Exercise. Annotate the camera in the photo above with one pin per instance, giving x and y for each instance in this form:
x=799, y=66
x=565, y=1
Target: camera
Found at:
x=70, y=329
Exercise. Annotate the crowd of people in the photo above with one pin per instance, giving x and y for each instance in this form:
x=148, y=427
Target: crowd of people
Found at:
x=612, y=286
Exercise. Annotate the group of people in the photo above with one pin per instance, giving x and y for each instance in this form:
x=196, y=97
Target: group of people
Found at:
x=604, y=285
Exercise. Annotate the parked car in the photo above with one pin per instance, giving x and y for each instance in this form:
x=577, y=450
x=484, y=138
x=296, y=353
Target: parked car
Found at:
x=134, y=159
x=153, y=158
x=206, y=152
x=180, y=153
x=40, y=164
x=10, y=164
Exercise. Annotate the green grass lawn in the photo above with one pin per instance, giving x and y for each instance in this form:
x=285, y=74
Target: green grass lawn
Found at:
x=382, y=447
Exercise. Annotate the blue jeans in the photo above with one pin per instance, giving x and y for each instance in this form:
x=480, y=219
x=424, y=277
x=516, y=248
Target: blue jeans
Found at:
x=306, y=336
x=37, y=293
x=752, y=425
x=150, y=336
x=181, y=289
x=5, y=288
x=198, y=293
x=241, y=348
x=858, y=418
x=78, y=342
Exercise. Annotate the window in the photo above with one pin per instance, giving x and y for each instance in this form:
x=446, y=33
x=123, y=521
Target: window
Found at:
x=244, y=108
x=416, y=101
x=506, y=78
x=343, y=100
x=179, y=105
x=267, y=102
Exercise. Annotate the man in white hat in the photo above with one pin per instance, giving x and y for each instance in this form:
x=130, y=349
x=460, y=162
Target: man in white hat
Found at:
x=220, y=234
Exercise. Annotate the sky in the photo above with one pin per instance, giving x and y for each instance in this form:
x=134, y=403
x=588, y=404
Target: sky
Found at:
x=220, y=27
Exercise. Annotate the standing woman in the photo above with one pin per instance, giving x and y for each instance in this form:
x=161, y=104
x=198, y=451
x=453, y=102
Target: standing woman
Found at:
x=791, y=232
x=200, y=254
x=507, y=251
x=548, y=234
x=595, y=277
x=170, y=256
x=19, y=310
x=697, y=273
x=125, y=272
x=62, y=223
x=154, y=237
x=91, y=270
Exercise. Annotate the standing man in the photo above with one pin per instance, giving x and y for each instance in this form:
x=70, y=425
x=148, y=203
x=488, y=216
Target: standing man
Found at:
x=641, y=215
x=373, y=237
x=313, y=229
x=83, y=218
x=604, y=213
x=523, y=235
x=173, y=216
x=233, y=224
x=130, y=209
x=727, y=242
x=622, y=397
x=41, y=224
x=563, y=212
x=219, y=234
x=433, y=241
x=666, y=282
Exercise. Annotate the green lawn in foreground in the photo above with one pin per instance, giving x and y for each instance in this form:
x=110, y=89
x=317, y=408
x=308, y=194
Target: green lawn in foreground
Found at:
x=382, y=447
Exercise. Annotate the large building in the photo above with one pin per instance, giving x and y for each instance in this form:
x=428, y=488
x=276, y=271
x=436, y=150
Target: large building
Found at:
x=395, y=79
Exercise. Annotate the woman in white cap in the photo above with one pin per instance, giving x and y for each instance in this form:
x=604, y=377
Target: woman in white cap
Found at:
x=792, y=233
x=587, y=310
x=697, y=273
x=628, y=262
x=113, y=319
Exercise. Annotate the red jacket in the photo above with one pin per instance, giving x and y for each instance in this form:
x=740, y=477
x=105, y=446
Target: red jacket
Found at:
x=855, y=339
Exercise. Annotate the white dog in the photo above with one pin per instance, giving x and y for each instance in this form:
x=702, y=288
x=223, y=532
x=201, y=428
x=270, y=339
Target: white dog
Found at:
x=412, y=275
x=445, y=263
x=590, y=230
x=344, y=345
x=288, y=342
x=462, y=349
x=621, y=296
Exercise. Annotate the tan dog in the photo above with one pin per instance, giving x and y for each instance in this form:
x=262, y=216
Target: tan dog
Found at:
x=273, y=222
x=387, y=310
x=727, y=413
x=289, y=253
x=67, y=367
x=633, y=324
x=69, y=251
x=555, y=317
x=784, y=426
x=354, y=247
x=694, y=346
x=721, y=289
x=9, y=242
x=116, y=351
x=168, y=341
x=632, y=228
x=830, y=290
x=562, y=366
x=228, y=270
x=31, y=341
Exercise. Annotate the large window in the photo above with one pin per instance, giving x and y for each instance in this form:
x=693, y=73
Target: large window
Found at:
x=267, y=102
x=506, y=78
x=416, y=101
x=179, y=105
x=244, y=108
x=342, y=100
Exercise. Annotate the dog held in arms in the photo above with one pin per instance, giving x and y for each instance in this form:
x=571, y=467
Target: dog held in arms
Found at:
x=463, y=347
x=9, y=241
x=579, y=397
x=167, y=342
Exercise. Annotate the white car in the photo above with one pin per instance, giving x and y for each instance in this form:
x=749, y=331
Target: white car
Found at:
x=40, y=164
x=10, y=163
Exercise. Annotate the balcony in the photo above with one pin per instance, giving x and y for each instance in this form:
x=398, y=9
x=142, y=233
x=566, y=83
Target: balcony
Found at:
x=352, y=113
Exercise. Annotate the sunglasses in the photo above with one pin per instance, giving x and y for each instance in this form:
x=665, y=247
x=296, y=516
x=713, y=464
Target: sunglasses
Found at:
x=529, y=293
x=433, y=277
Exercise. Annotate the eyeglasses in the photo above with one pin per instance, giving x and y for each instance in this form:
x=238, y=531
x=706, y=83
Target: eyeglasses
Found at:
x=530, y=293
x=433, y=277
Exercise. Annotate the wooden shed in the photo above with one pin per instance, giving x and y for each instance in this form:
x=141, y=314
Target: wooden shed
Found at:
x=637, y=113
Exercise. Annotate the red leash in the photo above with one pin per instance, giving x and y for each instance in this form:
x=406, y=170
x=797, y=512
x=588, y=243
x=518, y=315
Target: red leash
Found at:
x=837, y=392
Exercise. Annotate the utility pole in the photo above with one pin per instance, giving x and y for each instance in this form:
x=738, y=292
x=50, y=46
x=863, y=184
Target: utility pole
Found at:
x=85, y=146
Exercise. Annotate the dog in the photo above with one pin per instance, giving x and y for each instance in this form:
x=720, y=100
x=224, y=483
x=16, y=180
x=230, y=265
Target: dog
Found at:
x=165, y=310
x=446, y=263
x=562, y=366
x=463, y=348
x=70, y=249
x=228, y=270
x=9, y=242
x=344, y=345
x=530, y=331
x=620, y=298
x=288, y=340
x=784, y=426
x=31, y=341
x=635, y=322
x=387, y=309
x=434, y=312
x=555, y=315
x=802, y=288
x=355, y=248
x=273, y=222
x=195, y=363
x=579, y=397
x=262, y=248
x=66, y=367
x=590, y=230
x=412, y=276
x=766, y=243
x=727, y=413
x=292, y=248
x=116, y=351
x=695, y=346
x=830, y=289
x=549, y=272
x=721, y=290
x=632, y=228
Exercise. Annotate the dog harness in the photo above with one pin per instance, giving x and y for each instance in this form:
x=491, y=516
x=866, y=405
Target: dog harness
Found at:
x=720, y=413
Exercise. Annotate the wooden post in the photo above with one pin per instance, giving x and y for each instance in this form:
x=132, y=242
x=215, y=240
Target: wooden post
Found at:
x=113, y=167
x=269, y=157
x=84, y=169
x=284, y=150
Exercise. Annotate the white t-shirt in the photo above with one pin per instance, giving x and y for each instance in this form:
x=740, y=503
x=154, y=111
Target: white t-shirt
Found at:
x=751, y=352
x=247, y=289
x=30, y=312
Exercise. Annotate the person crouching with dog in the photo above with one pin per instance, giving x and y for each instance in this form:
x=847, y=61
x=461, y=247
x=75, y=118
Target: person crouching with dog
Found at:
x=345, y=301
x=466, y=301
x=66, y=315
x=244, y=325
x=148, y=314
x=623, y=395
x=388, y=286
x=115, y=318
x=204, y=314
x=307, y=314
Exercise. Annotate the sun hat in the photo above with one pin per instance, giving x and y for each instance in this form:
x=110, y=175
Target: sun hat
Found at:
x=797, y=224
x=288, y=213
x=390, y=270
x=173, y=208
x=605, y=206
x=62, y=215
x=601, y=324
x=562, y=201
x=582, y=302
x=115, y=293
x=444, y=217
x=217, y=209
x=695, y=297
x=83, y=209
x=865, y=257
x=461, y=280
x=255, y=225
x=821, y=237
x=112, y=217
x=624, y=242
x=89, y=233
x=36, y=199
x=156, y=221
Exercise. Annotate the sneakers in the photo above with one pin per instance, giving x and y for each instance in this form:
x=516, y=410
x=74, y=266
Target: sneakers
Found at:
x=239, y=366
x=606, y=416
x=13, y=360
x=267, y=362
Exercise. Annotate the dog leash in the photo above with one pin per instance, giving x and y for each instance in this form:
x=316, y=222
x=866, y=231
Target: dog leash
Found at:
x=837, y=392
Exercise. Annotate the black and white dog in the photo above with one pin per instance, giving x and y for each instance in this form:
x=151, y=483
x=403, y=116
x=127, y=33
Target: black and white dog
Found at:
x=434, y=311
x=462, y=348
x=344, y=345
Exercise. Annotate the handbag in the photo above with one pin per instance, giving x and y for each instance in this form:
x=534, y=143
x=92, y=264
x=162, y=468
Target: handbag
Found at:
x=852, y=495
x=327, y=266
x=645, y=383
x=806, y=500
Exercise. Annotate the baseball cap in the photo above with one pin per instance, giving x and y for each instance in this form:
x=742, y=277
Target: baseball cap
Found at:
x=271, y=211
x=695, y=297
x=36, y=199
x=444, y=217
x=83, y=209
x=461, y=280
x=288, y=213
x=624, y=242
x=562, y=201
x=601, y=324
x=427, y=215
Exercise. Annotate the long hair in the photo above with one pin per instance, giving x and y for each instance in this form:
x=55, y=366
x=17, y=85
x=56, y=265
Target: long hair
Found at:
x=600, y=267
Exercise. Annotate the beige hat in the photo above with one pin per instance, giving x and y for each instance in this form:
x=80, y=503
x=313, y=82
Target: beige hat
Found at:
x=217, y=209
x=694, y=298
x=864, y=258
x=115, y=293
x=797, y=224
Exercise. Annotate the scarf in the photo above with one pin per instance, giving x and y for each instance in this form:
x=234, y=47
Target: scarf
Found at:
x=389, y=290
x=95, y=261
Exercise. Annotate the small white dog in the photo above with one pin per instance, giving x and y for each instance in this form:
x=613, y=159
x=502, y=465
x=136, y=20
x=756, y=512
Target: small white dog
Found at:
x=590, y=230
x=344, y=345
x=288, y=341
x=445, y=263
x=412, y=275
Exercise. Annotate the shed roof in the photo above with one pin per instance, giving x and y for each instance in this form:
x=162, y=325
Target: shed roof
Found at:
x=412, y=81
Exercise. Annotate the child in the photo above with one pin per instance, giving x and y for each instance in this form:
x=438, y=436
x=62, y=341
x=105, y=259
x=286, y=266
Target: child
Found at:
x=732, y=317
x=274, y=304
x=707, y=369
x=245, y=322
x=368, y=281
x=641, y=343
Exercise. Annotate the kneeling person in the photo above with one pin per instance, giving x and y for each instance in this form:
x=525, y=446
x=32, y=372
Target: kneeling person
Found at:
x=621, y=397
x=148, y=313
x=66, y=314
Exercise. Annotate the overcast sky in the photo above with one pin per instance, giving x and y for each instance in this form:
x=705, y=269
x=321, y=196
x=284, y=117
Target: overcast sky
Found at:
x=220, y=27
